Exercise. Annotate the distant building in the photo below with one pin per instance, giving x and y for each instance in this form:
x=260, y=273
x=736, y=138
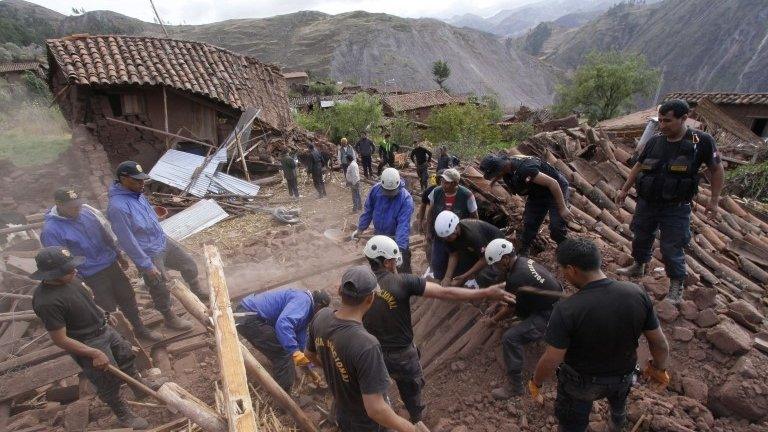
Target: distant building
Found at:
x=751, y=109
x=14, y=72
x=418, y=105
x=297, y=81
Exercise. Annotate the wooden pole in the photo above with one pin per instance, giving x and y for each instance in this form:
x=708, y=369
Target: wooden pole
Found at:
x=255, y=370
x=133, y=381
x=165, y=115
x=192, y=408
x=158, y=131
x=242, y=157
x=238, y=406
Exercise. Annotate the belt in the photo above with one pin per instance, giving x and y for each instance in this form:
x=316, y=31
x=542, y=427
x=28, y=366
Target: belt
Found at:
x=92, y=334
x=568, y=372
x=395, y=351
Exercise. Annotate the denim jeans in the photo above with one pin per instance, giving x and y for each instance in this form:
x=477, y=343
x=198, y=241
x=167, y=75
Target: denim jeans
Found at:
x=357, y=203
x=535, y=211
x=674, y=222
x=112, y=289
x=176, y=258
x=119, y=352
x=575, y=397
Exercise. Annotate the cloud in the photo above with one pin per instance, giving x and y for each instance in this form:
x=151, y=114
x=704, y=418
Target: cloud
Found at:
x=207, y=11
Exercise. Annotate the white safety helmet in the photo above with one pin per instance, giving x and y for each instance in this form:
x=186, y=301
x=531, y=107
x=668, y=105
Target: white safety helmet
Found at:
x=390, y=179
x=383, y=246
x=445, y=223
x=496, y=249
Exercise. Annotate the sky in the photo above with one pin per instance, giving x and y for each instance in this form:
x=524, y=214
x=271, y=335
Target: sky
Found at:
x=207, y=11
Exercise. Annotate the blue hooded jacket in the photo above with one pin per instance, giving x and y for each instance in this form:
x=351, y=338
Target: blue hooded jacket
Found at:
x=83, y=236
x=391, y=216
x=289, y=311
x=136, y=225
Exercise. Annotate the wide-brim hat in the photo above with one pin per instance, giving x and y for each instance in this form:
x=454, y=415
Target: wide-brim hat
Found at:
x=54, y=262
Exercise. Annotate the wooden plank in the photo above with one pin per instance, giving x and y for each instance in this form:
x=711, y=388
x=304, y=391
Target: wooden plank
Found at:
x=25, y=265
x=238, y=407
x=13, y=385
x=31, y=359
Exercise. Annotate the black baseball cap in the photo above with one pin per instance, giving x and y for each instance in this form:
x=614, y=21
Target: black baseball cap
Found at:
x=54, y=262
x=320, y=299
x=358, y=281
x=132, y=170
x=65, y=195
x=491, y=166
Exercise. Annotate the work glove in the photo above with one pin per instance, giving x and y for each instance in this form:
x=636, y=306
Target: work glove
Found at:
x=534, y=390
x=299, y=359
x=660, y=377
x=354, y=235
x=314, y=375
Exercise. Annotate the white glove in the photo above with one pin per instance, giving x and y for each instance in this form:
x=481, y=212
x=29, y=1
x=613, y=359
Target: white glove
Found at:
x=354, y=235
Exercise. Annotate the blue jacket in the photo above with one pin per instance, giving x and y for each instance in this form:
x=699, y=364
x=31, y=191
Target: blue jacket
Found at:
x=289, y=311
x=83, y=236
x=391, y=216
x=136, y=226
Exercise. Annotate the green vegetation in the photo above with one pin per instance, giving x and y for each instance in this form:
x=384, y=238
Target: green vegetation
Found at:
x=324, y=89
x=362, y=113
x=441, y=72
x=605, y=84
x=402, y=132
x=517, y=132
x=534, y=41
x=468, y=130
x=749, y=181
x=10, y=52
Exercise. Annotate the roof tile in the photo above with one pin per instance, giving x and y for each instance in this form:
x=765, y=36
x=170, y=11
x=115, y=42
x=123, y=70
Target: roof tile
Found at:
x=722, y=98
x=412, y=101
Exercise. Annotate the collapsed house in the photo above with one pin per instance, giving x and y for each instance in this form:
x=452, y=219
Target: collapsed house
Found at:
x=750, y=109
x=417, y=106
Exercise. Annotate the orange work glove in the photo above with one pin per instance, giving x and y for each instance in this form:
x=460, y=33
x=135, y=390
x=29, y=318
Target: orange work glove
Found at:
x=658, y=376
x=534, y=390
x=299, y=359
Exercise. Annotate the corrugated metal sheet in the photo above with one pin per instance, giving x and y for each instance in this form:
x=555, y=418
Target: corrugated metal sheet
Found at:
x=197, y=217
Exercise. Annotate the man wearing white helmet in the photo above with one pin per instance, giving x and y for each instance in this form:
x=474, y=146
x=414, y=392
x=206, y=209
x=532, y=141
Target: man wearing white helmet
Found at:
x=536, y=290
x=389, y=318
x=390, y=207
x=466, y=240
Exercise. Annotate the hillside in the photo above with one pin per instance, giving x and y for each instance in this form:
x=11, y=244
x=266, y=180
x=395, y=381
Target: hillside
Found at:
x=700, y=44
x=358, y=47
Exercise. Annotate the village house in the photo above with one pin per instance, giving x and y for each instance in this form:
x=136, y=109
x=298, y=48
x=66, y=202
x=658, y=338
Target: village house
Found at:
x=14, y=72
x=751, y=109
x=297, y=81
x=417, y=106
x=185, y=88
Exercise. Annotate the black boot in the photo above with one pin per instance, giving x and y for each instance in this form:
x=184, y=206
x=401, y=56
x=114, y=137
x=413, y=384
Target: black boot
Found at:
x=513, y=388
x=174, y=322
x=142, y=332
x=126, y=418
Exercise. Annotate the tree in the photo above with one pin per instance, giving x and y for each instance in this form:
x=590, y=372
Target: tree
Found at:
x=344, y=119
x=441, y=72
x=467, y=129
x=604, y=86
x=402, y=131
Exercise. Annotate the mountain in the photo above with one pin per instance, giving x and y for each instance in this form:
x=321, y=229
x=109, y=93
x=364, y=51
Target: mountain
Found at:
x=516, y=21
x=700, y=45
x=356, y=47
x=470, y=21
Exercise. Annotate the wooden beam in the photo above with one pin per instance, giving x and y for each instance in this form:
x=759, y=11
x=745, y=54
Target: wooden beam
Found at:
x=238, y=406
x=159, y=132
x=193, y=408
x=256, y=371
x=13, y=385
x=165, y=114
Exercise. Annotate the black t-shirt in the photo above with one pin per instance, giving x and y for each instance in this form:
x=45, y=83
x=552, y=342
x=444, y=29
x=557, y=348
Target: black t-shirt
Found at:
x=526, y=272
x=69, y=306
x=389, y=319
x=600, y=325
x=706, y=149
x=420, y=155
x=521, y=182
x=474, y=237
x=425, y=194
x=353, y=363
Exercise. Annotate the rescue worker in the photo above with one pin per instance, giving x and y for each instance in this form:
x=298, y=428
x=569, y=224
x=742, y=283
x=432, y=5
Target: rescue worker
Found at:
x=276, y=324
x=421, y=156
x=352, y=361
x=536, y=291
x=289, y=162
x=315, y=169
x=389, y=318
x=84, y=231
x=387, y=152
x=77, y=325
x=592, y=336
x=466, y=241
x=365, y=149
x=546, y=190
x=666, y=178
x=389, y=206
x=345, y=149
x=138, y=231
x=445, y=160
x=451, y=196
x=353, y=180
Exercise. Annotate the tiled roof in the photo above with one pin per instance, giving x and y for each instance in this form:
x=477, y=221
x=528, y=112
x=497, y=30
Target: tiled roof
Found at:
x=18, y=67
x=412, y=101
x=289, y=75
x=301, y=101
x=722, y=98
x=235, y=80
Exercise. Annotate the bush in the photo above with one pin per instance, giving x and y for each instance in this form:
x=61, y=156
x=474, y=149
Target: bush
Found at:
x=749, y=181
x=466, y=129
x=518, y=132
x=402, y=132
x=362, y=113
x=320, y=88
x=35, y=86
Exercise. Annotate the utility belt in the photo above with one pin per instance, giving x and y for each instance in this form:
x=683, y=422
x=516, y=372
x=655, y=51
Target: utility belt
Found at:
x=666, y=204
x=395, y=352
x=86, y=336
x=568, y=374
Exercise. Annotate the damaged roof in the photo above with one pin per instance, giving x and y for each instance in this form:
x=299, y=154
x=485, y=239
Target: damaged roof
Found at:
x=18, y=67
x=235, y=80
x=721, y=98
x=412, y=101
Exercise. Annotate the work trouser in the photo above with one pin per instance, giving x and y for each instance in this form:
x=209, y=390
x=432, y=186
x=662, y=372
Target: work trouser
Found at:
x=674, y=222
x=439, y=257
x=536, y=210
x=367, y=162
x=531, y=329
x=112, y=289
x=293, y=184
x=343, y=167
x=177, y=258
x=387, y=159
x=423, y=172
x=404, y=367
x=576, y=393
x=262, y=336
x=318, y=182
x=357, y=202
x=405, y=267
x=119, y=353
